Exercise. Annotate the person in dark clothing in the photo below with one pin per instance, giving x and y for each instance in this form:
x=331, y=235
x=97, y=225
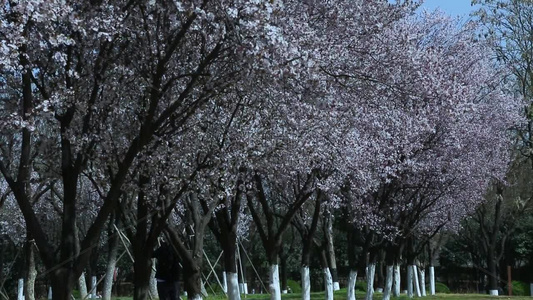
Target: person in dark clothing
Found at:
x=167, y=272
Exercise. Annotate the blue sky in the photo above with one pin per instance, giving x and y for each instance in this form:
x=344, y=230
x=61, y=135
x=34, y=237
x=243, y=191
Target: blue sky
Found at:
x=460, y=8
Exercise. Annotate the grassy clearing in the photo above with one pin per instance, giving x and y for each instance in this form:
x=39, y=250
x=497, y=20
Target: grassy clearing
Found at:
x=341, y=295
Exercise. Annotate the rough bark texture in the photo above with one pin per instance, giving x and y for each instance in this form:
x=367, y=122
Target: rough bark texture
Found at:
x=274, y=287
x=82, y=286
x=371, y=272
x=397, y=281
x=416, y=281
x=29, y=287
x=410, y=281
x=328, y=284
x=432, y=280
x=233, y=287
x=153, y=282
x=352, y=279
x=422, y=281
x=141, y=278
x=328, y=234
x=306, y=283
x=388, y=283
x=112, y=253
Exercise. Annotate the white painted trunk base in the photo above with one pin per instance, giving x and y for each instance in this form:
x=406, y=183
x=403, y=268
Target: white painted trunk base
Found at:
x=197, y=297
x=224, y=282
x=493, y=292
x=83, y=286
x=243, y=288
x=416, y=281
x=371, y=272
x=379, y=290
x=423, y=281
x=410, y=281
x=328, y=281
x=153, y=282
x=397, y=281
x=49, y=293
x=336, y=286
x=306, y=283
x=233, y=286
x=284, y=292
x=20, y=294
x=388, y=283
x=432, y=280
x=275, y=292
x=93, y=287
x=351, y=285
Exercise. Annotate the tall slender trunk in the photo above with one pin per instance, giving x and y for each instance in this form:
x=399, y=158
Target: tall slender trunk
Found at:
x=82, y=286
x=283, y=267
x=328, y=234
x=370, y=275
x=274, y=287
x=388, y=283
x=306, y=283
x=422, y=281
x=416, y=282
x=112, y=253
x=493, y=273
x=29, y=286
x=397, y=281
x=62, y=282
x=153, y=281
x=141, y=277
x=233, y=286
x=431, y=280
x=352, y=279
x=380, y=276
x=230, y=270
x=410, y=281
x=306, y=260
x=328, y=280
x=352, y=262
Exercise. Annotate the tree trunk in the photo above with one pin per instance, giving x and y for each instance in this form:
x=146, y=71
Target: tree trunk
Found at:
x=142, y=268
x=328, y=284
x=306, y=283
x=371, y=271
x=32, y=271
x=230, y=270
x=416, y=281
x=388, y=283
x=283, y=266
x=82, y=286
x=62, y=284
x=432, y=280
x=493, y=276
x=380, y=274
x=111, y=259
x=225, y=282
x=352, y=279
x=328, y=233
x=192, y=279
x=410, y=281
x=153, y=281
x=422, y=281
x=233, y=286
x=274, y=287
x=397, y=281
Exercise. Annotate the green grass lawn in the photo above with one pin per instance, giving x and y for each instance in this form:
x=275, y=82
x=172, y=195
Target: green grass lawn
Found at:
x=341, y=295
